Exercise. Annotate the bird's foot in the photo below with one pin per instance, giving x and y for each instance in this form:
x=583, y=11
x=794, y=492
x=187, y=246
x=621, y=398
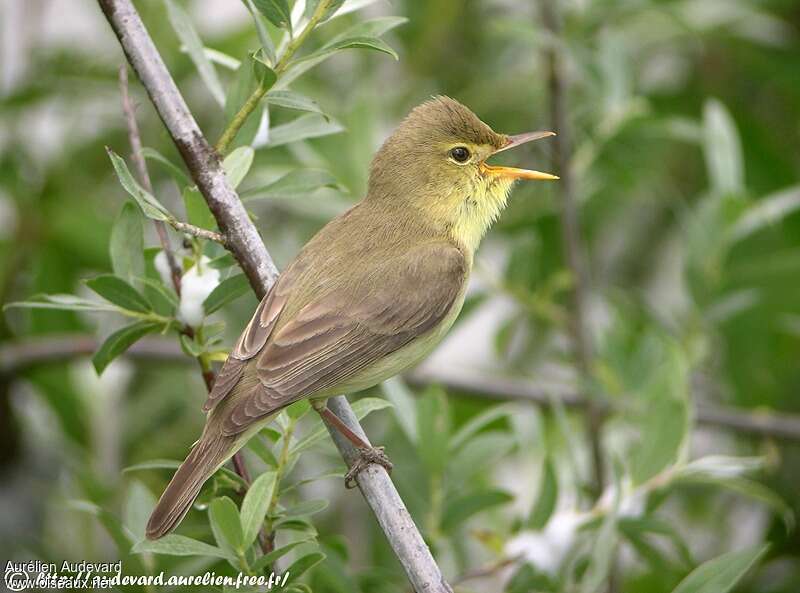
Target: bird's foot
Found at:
x=366, y=457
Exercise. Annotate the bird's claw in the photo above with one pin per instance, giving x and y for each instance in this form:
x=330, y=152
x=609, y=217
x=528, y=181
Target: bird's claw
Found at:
x=366, y=457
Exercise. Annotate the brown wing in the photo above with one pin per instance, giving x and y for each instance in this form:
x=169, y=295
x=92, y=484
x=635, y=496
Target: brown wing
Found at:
x=333, y=338
x=250, y=343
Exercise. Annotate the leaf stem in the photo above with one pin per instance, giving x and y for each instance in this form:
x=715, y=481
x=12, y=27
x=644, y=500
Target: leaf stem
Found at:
x=255, y=97
x=283, y=461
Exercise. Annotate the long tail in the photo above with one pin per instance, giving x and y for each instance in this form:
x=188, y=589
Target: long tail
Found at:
x=206, y=457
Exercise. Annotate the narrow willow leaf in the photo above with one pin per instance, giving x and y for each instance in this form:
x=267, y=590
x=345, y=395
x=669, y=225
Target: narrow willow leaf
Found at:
x=126, y=246
x=139, y=503
x=115, y=290
x=477, y=423
x=265, y=76
x=177, y=174
x=151, y=207
x=433, y=430
x=370, y=28
x=355, y=42
x=226, y=525
x=119, y=533
x=277, y=12
x=765, y=212
x=63, y=302
x=546, y=498
x=255, y=505
x=184, y=29
x=237, y=164
x=292, y=100
x=722, y=573
x=404, y=406
x=197, y=211
x=277, y=553
x=458, y=510
x=178, y=545
x=722, y=148
x=302, y=565
x=239, y=90
x=263, y=34
x=223, y=59
x=120, y=341
x=306, y=508
x=295, y=183
x=226, y=291
x=307, y=126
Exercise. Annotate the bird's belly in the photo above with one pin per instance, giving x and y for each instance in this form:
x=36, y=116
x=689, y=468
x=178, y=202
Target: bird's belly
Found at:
x=399, y=360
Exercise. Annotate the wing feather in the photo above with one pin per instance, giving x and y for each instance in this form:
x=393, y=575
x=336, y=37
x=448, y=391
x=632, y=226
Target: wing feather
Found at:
x=345, y=331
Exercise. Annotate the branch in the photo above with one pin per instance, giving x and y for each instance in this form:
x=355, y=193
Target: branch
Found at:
x=246, y=246
x=15, y=357
x=144, y=177
x=777, y=425
x=196, y=231
x=570, y=232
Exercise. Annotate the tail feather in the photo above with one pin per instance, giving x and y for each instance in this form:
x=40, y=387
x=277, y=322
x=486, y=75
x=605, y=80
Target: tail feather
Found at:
x=206, y=457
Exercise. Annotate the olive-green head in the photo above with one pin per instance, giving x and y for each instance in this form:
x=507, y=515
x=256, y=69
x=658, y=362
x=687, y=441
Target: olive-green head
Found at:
x=434, y=165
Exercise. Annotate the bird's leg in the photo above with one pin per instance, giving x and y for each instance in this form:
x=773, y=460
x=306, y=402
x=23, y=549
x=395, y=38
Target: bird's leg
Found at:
x=367, y=454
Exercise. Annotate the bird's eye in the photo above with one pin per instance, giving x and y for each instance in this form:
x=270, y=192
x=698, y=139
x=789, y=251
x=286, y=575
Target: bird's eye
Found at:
x=460, y=154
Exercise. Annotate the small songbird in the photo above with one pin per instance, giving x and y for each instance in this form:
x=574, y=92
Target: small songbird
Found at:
x=370, y=295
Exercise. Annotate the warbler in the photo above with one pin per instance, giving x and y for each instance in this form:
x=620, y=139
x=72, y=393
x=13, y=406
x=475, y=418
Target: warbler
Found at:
x=370, y=295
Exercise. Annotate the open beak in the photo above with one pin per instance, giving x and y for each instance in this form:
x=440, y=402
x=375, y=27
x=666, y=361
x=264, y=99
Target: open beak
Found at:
x=513, y=172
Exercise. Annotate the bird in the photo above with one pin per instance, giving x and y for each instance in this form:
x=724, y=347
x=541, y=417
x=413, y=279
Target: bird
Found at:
x=368, y=296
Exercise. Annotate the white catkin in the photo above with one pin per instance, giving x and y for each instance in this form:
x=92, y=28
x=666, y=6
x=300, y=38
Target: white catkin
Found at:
x=547, y=549
x=195, y=288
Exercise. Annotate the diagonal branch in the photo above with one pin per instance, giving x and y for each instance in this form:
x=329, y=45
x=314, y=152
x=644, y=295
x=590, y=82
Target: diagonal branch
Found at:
x=244, y=243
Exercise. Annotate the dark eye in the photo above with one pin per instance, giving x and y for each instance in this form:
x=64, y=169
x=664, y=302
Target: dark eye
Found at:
x=460, y=154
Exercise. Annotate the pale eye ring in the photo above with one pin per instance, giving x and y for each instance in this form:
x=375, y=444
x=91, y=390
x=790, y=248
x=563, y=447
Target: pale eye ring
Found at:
x=460, y=154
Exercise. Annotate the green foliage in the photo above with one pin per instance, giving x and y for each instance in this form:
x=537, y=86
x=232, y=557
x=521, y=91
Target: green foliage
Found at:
x=687, y=184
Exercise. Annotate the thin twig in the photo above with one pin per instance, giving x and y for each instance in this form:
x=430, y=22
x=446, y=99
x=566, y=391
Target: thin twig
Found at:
x=17, y=356
x=570, y=233
x=196, y=231
x=244, y=243
x=255, y=97
x=144, y=177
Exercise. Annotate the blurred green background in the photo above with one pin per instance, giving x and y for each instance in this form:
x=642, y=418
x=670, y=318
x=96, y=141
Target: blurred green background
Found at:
x=685, y=127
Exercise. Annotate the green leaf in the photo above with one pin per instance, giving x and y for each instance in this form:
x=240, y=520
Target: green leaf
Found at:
x=296, y=183
x=766, y=212
x=237, y=164
x=184, y=29
x=477, y=423
x=317, y=433
x=433, y=428
x=176, y=172
x=370, y=28
x=666, y=419
x=298, y=409
x=722, y=148
x=255, y=505
x=303, y=564
x=197, y=211
x=333, y=6
x=722, y=573
x=126, y=246
x=261, y=30
x=638, y=526
x=307, y=126
x=151, y=207
x=460, y=509
x=277, y=12
x=226, y=291
x=306, y=508
x=226, y=525
x=139, y=503
x=355, y=42
x=404, y=406
x=265, y=76
x=63, y=302
x=296, y=101
x=120, y=341
x=547, y=497
x=277, y=553
x=178, y=545
x=115, y=290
